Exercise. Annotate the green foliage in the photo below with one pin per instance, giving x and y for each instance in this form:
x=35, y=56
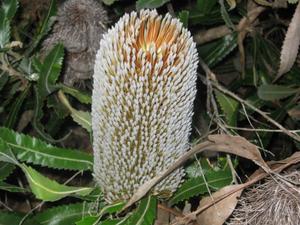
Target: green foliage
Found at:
x=49, y=190
x=145, y=213
x=209, y=179
x=32, y=150
x=11, y=218
x=216, y=51
x=7, y=12
x=44, y=28
x=271, y=92
x=184, y=17
x=61, y=215
x=229, y=106
x=11, y=188
x=6, y=169
x=150, y=4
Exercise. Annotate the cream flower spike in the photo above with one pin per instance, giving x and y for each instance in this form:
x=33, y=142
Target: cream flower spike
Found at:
x=144, y=88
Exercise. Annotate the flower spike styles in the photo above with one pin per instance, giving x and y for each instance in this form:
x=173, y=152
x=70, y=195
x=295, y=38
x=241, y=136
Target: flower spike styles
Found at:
x=143, y=94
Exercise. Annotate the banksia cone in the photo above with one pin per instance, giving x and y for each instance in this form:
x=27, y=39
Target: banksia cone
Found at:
x=79, y=26
x=144, y=88
x=273, y=202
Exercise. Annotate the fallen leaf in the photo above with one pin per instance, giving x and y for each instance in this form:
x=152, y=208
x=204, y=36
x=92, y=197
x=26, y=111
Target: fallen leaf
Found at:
x=238, y=145
x=220, y=210
x=290, y=45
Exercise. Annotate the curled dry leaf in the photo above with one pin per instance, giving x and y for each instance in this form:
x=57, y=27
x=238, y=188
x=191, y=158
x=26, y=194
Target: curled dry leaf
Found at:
x=238, y=145
x=290, y=46
x=220, y=210
x=222, y=143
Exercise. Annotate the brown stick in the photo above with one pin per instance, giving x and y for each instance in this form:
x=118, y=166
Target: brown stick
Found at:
x=221, y=31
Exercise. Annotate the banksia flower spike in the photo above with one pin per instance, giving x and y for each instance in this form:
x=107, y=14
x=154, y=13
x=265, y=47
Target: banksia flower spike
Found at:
x=144, y=88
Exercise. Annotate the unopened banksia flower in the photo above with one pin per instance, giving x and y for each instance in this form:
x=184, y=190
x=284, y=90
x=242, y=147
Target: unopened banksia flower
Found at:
x=79, y=26
x=144, y=88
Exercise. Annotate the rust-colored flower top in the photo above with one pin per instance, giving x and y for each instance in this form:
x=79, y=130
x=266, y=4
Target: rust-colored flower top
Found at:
x=144, y=88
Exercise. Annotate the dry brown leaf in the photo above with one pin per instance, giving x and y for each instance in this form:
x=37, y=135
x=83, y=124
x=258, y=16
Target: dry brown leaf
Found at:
x=238, y=146
x=290, y=45
x=218, y=213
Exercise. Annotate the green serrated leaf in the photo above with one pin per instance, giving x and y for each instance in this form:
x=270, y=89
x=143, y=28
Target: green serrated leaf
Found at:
x=11, y=218
x=271, y=92
x=10, y=8
x=184, y=17
x=14, y=110
x=4, y=29
x=229, y=107
x=89, y=220
x=79, y=95
x=83, y=118
x=50, y=70
x=5, y=170
x=225, y=15
x=197, y=186
x=213, y=53
x=49, y=190
x=63, y=215
x=150, y=4
x=11, y=188
x=114, y=222
x=33, y=150
x=205, y=7
x=113, y=208
x=44, y=28
x=145, y=213
x=6, y=154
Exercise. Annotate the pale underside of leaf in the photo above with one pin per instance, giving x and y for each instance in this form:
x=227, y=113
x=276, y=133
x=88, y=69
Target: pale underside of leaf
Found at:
x=290, y=46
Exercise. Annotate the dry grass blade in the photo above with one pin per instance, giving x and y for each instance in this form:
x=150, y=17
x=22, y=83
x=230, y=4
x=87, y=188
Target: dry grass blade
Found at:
x=221, y=143
x=290, y=46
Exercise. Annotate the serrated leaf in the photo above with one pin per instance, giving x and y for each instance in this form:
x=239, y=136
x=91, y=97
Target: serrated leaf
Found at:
x=11, y=188
x=6, y=154
x=65, y=214
x=89, y=220
x=229, y=107
x=44, y=28
x=205, y=7
x=5, y=170
x=270, y=92
x=198, y=186
x=215, y=52
x=113, y=208
x=50, y=70
x=184, y=17
x=4, y=29
x=150, y=4
x=145, y=213
x=33, y=150
x=79, y=95
x=291, y=43
x=14, y=110
x=11, y=218
x=49, y=190
x=10, y=8
x=83, y=118
x=225, y=15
